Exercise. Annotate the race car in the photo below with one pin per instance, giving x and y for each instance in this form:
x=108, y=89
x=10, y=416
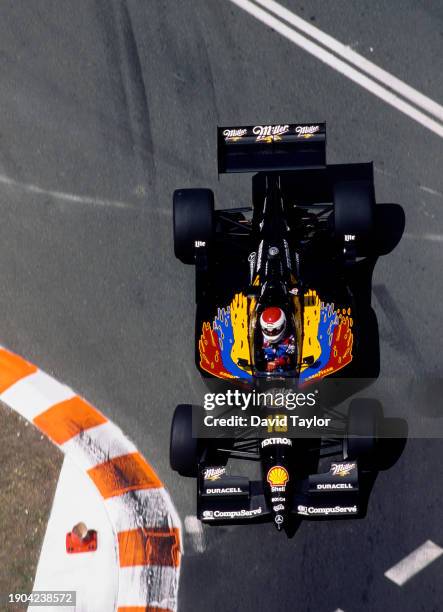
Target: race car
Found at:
x=283, y=292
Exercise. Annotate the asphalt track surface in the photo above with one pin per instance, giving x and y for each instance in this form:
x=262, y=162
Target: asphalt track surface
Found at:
x=107, y=107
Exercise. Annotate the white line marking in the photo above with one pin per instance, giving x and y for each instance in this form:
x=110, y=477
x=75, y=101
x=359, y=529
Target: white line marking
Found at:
x=61, y=195
x=431, y=191
x=385, y=77
x=414, y=563
x=339, y=65
x=194, y=529
x=35, y=393
x=430, y=237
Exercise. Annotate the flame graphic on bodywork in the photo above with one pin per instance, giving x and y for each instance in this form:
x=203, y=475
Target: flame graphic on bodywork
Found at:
x=327, y=339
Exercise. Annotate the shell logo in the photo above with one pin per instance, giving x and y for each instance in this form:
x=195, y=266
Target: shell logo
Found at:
x=278, y=476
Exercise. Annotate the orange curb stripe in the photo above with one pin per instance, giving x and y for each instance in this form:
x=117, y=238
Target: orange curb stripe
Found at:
x=145, y=546
x=123, y=474
x=141, y=609
x=68, y=418
x=12, y=369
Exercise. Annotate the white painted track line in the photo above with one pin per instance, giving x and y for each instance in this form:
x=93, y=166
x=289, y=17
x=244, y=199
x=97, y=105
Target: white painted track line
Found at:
x=414, y=563
x=60, y=195
x=429, y=237
x=340, y=66
x=363, y=64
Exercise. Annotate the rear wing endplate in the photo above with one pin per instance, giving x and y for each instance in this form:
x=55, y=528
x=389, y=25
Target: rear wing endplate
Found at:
x=271, y=147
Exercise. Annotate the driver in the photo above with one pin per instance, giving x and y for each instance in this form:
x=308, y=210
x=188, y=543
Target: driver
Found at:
x=278, y=343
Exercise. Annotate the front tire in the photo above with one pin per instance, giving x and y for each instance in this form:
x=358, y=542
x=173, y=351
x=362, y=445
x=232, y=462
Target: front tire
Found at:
x=184, y=448
x=362, y=431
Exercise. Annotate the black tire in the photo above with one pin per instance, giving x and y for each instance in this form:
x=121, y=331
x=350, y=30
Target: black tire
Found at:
x=184, y=449
x=362, y=431
x=390, y=222
x=354, y=214
x=193, y=219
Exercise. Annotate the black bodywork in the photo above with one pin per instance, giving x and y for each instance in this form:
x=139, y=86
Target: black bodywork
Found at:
x=293, y=239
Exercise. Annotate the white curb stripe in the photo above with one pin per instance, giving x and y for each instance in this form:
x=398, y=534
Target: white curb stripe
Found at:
x=34, y=394
x=98, y=444
x=340, y=66
x=162, y=581
x=414, y=563
x=141, y=508
x=363, y=64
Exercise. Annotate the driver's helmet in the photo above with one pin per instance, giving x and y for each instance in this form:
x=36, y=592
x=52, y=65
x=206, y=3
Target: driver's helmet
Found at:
x=273, y=324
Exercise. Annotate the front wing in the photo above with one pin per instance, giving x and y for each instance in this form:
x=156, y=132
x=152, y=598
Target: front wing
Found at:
x=232, y=499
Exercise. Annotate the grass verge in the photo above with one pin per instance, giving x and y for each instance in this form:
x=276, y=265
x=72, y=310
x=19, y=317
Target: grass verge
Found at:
x=30, y=466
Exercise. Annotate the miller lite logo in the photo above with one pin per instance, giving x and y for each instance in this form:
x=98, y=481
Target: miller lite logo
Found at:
x=342, y=469
x=269, y=133
x=234, y=134
x=306, y=131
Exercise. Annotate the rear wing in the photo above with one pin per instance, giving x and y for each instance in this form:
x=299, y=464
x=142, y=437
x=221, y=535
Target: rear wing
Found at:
x=271, y=147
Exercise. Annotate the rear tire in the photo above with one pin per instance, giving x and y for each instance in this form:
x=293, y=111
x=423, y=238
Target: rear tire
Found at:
x=354, y=215
x=193, y=219
x=184, y=449
x=362, y=431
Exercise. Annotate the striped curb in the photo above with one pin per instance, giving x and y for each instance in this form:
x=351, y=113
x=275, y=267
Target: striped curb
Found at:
x=146, y=526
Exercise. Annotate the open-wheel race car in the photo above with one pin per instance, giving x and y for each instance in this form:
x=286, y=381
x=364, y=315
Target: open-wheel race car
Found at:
x=283, y=291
